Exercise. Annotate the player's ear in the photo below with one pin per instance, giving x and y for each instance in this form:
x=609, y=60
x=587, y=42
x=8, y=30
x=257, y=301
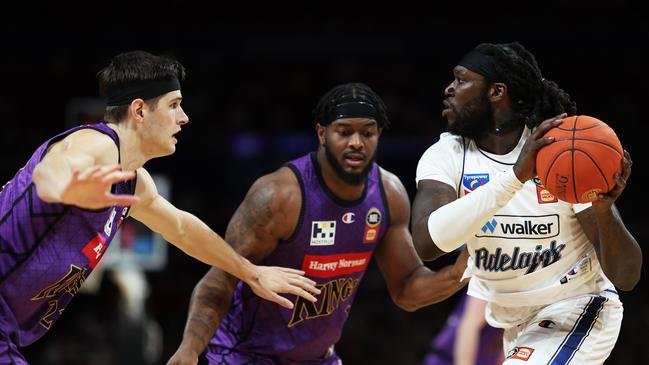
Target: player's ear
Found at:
x=320, y=132
x=497, y=91
x=136, y=109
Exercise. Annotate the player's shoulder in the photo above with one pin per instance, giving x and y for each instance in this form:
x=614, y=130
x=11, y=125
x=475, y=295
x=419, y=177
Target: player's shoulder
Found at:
x=449, y=141
x=90, y=141
x=392, y=184
x=279, y=187
x=448, y=144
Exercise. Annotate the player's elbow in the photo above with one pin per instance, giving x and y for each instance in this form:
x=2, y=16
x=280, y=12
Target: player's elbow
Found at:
x=44, y=189
x=406, y=304
x=628, y=281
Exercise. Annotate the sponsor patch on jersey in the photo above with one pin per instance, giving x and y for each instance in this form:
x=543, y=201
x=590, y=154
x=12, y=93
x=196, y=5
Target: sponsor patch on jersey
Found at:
x=323, y=233
x=580, y=268
x=521, y=353
x=94, y=249
x=521, y=227
x=326, y=266
x=108, y=227
x=471, y=182
x=372, y=225
x=348, y=218
x=544, y=196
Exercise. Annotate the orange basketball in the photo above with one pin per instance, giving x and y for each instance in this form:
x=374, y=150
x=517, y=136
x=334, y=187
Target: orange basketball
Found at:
x=582, y=161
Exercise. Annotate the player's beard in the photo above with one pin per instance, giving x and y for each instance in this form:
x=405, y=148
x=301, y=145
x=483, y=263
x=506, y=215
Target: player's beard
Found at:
x=348, y=178
x=474, y=119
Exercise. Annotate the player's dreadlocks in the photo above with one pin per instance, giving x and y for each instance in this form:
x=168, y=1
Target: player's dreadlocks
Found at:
x=534, y=98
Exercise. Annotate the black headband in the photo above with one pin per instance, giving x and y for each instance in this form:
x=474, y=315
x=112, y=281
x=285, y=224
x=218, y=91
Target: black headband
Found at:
x=140, y=90
x=482, y=64
x=353, y=109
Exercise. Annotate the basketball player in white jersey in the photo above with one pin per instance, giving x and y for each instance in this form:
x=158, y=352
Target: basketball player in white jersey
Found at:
x=548, y=269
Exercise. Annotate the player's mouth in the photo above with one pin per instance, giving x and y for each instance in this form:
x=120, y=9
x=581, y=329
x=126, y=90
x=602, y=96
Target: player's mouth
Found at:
x=447, y=108
x=354, y=159
x=174, y=137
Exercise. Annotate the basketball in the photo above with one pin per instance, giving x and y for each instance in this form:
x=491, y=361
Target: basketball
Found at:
x=582, y=161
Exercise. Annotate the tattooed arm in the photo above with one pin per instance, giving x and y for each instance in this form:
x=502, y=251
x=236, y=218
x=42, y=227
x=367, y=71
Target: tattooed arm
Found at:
x=268, y=213
x=411, y=284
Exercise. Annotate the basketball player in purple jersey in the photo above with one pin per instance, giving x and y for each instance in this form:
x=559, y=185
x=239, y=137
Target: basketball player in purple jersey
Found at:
x=466, y=338
x=326, y=213
x=61, y=210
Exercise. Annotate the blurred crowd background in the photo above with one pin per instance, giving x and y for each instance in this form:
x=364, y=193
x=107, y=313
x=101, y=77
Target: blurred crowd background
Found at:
x=251, y=84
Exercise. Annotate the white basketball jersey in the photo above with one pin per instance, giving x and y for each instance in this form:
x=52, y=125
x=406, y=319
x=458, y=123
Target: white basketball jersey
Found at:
x=532, y=252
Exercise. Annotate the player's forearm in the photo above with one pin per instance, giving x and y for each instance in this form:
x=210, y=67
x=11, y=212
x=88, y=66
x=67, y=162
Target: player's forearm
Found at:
x=472, y=210
x=199, y=241
x=466, y=346
x=209, y=304
x=425, y=287
x=620, y=254
x=426, y=248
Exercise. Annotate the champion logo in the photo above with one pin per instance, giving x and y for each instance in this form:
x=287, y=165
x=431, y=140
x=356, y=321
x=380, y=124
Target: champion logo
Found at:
x=348, y=218
x=491, y=226
x=546, y=323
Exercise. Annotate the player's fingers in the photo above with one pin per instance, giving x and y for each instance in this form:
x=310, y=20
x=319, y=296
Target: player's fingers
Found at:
x=117, y=176
x=548, y=124
x=291, y=271
x=305, y=284
x=300, y=292
x=88, y=172
x=123, y=200
x=541, y=142
x=280, y=300
x=620, y=181
x=302, y=278
x=75, y=175
x=626, y=166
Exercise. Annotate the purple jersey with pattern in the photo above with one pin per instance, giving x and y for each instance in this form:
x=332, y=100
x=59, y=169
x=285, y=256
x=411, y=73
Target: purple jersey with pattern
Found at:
x=48, y=250
x=333, y=243
x=490, y=348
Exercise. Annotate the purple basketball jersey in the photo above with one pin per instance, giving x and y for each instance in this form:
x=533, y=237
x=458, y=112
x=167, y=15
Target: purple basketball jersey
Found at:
x=333, y=243
x=490, y=349
x=48, y=250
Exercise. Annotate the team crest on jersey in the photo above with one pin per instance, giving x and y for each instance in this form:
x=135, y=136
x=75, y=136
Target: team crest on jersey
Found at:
x=471, y=182
x=372, y=225
x=520, y=353
x=323, y=233
x=348, y=218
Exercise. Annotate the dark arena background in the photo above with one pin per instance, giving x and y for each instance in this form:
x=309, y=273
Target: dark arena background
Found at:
x=251, y=85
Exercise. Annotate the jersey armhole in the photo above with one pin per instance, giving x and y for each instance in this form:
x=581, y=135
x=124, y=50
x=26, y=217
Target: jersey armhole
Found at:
x=300, y=220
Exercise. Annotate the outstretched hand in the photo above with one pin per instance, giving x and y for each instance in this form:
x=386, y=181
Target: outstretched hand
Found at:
x=271, y=280
x=90, y=188
x=605, y=201
x=525, y=167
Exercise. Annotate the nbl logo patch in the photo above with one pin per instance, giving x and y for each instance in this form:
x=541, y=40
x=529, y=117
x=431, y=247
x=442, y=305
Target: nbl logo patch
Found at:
x=323, y=233
x=372, y=225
